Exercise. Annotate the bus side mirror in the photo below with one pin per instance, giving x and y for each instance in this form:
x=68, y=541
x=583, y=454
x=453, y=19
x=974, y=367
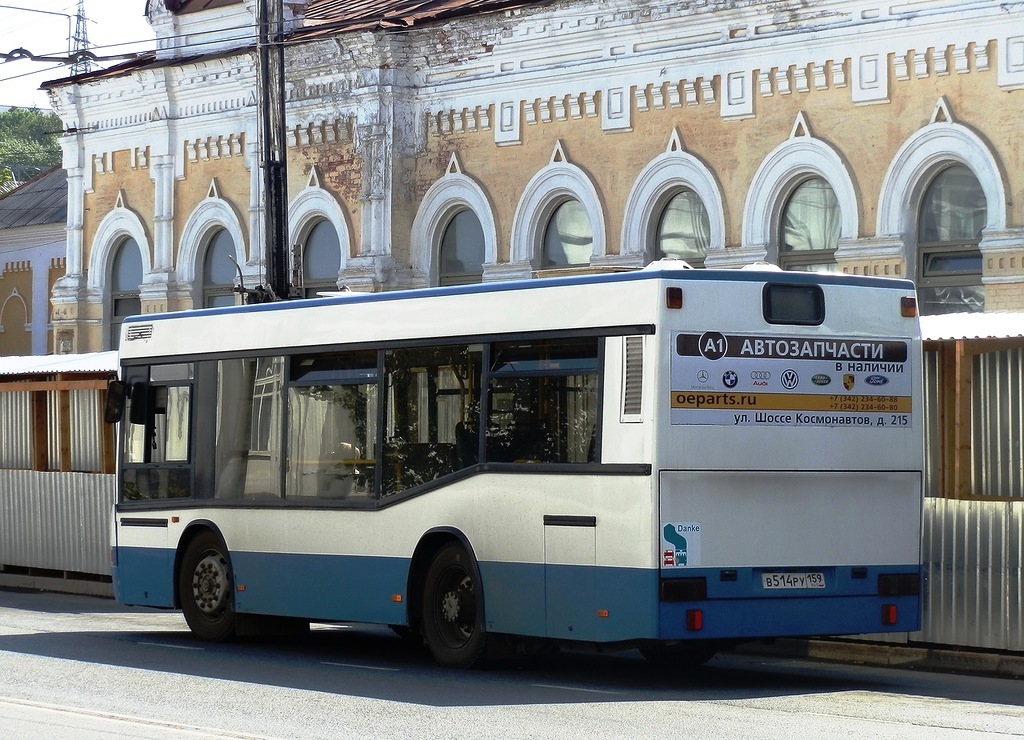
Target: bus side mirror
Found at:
x=138, y=409
x=113, y=410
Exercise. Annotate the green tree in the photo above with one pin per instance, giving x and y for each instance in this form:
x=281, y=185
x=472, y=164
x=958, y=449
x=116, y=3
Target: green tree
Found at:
x=7, y=182
x=28, y=142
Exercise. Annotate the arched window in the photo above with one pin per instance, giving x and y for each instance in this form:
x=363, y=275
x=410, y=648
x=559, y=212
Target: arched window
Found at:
x=953, y=213
x=15, y=330
x=568, y=238
x=125, y=279
x=809, y=228
x=321, y=260
x=684, y=229
x=219, y=271
x=462, y=250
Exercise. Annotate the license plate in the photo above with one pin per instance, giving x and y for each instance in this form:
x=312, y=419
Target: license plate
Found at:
x=773, y=581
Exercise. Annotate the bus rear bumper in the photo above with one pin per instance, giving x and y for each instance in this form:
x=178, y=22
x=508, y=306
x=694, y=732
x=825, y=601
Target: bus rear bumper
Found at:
x=789, y=602
x=788, y=617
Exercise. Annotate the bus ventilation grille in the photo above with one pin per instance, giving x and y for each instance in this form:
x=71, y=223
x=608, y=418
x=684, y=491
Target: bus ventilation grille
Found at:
x=633, y=385
x=144, y=331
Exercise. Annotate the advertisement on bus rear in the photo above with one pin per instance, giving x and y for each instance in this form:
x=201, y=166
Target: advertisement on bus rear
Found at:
x=756, y=380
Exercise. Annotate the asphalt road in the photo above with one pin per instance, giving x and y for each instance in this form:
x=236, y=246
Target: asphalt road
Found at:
x=82, y=667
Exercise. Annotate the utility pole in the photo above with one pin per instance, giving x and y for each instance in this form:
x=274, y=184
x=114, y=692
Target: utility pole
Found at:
x=81, y=42
x=274, y=152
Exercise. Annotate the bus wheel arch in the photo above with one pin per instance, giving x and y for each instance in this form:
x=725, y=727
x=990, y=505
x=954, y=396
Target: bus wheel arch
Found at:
x=447, y=599
x=204, y=583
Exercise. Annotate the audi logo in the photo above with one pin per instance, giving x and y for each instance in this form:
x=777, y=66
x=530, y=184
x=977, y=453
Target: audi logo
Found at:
x=760, y=375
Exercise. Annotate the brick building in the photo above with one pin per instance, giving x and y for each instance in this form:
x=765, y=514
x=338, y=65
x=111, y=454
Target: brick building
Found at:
x=32, y=247
x=451, y=142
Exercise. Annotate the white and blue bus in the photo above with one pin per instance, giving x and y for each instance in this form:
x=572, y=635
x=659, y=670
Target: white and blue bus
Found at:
x=669, y=459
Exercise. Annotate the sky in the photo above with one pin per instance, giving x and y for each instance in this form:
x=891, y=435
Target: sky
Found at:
x=112, y=27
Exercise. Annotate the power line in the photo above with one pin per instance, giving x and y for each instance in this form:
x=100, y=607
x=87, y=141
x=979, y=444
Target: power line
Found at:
x=33, y=72
x=248, y=36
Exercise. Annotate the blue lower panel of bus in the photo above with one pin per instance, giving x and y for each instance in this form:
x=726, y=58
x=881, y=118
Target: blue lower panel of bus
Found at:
x=314, y=586
x=328, y=587
x=567, y=602
x=144, y=576
x=570, y=602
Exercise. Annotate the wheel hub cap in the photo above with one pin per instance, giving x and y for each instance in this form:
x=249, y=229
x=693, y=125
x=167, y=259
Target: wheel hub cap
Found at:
x=209, y=584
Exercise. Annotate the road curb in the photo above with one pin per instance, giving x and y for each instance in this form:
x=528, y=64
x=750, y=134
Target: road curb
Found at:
x=103, y=589
x=946, y=659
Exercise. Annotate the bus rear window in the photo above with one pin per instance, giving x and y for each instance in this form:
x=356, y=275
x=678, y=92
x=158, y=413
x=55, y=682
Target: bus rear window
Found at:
x=793, y=304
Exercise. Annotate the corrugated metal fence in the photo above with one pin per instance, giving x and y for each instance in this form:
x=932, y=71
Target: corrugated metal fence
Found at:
x=15, y=413
x=85, y=410
x=973, y=549
x=56, y=521
x=973, y=578
x=56, y=463
x=997, y=417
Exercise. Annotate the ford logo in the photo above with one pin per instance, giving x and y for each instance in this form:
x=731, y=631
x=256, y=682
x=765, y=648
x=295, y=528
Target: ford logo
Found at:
x=821, y=379
x=876, y=380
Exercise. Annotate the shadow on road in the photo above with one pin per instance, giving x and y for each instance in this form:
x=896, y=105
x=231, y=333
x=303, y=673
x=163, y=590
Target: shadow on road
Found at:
x=372, y=662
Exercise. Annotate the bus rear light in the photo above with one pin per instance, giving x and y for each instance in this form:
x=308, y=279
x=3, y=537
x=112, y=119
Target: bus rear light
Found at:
x=899, y=584
x=674, y=297
x=890, y=614
x=694, y=620
x=908, y=306
x=397, y=598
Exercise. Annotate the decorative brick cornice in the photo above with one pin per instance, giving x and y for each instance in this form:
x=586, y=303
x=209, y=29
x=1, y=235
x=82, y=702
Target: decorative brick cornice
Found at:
x=323, y=131
x=215, y=147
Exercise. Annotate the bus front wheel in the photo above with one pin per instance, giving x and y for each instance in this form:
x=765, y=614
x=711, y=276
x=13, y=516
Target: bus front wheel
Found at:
x=453, y=609
x=204, y=585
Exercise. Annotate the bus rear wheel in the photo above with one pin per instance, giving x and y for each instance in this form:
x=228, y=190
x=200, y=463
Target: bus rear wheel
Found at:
x=204, y=586
x=453, y=609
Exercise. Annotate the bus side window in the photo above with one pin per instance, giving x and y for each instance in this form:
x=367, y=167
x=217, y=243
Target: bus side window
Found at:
x=248, y=428
x=158, y=423
x=432, y=399
x=543, y=401
x=332, y=421
x=331, y=440
x=158, y=435
x=171, y=413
